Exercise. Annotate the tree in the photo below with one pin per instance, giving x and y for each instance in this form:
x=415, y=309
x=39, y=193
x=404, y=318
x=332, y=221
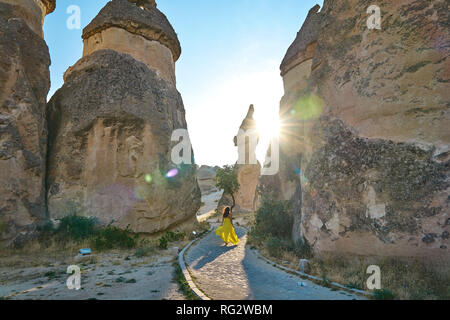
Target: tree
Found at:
x=227, y=180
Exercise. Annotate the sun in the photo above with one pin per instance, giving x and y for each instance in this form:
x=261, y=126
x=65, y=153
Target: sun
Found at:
x=268, y=127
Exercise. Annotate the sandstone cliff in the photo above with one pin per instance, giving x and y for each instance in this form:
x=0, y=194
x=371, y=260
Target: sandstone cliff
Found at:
x=24, y=85
x=365, y=145
x=110, y=125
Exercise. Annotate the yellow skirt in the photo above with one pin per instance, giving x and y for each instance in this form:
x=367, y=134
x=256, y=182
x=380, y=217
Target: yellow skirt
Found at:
x=227, y=233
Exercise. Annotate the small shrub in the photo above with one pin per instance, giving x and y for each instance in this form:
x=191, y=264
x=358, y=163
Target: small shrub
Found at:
x=182, y=283
x=273, y=246
x=383, y=294
x=46, y=234
x=170, y=237
x=52, y=275
x=302, y=249
x=113, y=237
x=163, y=243
x=273, y=218
x=75, y=228
x=326, y=282
x=144, y=252
x=353, y=285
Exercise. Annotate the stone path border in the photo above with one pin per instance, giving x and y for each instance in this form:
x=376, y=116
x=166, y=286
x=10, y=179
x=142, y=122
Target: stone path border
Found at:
x=185, y=271
x=310, y=277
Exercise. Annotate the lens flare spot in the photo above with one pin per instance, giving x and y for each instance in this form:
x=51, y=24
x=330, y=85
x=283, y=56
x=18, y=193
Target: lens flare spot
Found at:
x=172, y=173
x=308, y=108
x=148, y=178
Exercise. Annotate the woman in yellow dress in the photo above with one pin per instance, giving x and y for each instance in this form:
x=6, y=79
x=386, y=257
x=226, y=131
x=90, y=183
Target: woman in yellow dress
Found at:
x=226, y=230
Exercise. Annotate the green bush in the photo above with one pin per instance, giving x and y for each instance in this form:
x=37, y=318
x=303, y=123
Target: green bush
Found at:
x=274, y=246
x=383, y=294
x=75, y=228
x=170, y=237
x=163, y=243
x=273, y=218
x=302, y=249
x=113, y=237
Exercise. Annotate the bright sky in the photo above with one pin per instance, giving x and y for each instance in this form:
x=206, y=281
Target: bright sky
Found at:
x=231, y=52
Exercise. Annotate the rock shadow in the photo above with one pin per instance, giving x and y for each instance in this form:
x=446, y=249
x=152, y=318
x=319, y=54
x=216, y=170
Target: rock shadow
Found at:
x=216, y=248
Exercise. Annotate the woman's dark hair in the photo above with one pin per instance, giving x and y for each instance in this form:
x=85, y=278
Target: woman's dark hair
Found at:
x=226, y=212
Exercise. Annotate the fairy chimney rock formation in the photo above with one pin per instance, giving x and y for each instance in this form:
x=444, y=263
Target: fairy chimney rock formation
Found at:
x=110, y=125
x=248, y=167
x=31, y=12
x=297, y=63
x=25, y=82
x=141, y=31
x=368, y=146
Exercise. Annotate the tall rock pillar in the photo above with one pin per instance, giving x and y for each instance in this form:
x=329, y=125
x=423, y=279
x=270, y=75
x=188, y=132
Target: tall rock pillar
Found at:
x=111, y=124
x=24, y=85
x=248, y=167
x=366, y=143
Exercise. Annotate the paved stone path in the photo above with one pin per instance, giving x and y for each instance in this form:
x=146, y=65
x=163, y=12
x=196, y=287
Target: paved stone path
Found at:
x=236, y=273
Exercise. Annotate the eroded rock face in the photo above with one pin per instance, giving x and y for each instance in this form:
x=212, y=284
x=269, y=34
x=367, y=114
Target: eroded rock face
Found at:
x=366, y=110
x=110, y=146
x=25, y=82
x=206, y=177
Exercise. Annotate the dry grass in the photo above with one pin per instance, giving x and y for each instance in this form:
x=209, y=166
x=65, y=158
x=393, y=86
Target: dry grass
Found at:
x=38, y=254
x=242, y=218
x=44, y=253
x=406, y=279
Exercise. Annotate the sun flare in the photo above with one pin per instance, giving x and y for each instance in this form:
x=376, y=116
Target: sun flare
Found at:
x=268, y=128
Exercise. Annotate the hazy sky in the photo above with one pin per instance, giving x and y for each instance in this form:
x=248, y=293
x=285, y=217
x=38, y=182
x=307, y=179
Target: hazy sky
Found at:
x=231, y=52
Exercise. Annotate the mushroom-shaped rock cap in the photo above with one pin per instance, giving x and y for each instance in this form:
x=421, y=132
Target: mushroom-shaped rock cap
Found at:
x=49, y=5
x=139, y=17
x=144, y=3
x=307, y=35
